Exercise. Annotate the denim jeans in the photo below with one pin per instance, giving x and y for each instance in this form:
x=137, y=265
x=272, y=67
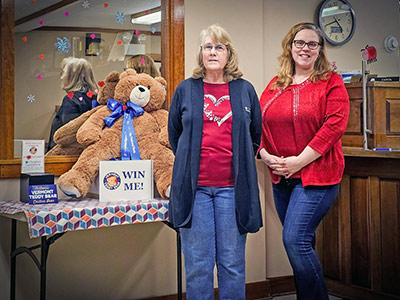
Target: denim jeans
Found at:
x=300, y=210
x=214, y=239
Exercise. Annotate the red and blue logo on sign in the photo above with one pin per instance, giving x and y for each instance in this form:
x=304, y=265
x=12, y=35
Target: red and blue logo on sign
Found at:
x=112, y=181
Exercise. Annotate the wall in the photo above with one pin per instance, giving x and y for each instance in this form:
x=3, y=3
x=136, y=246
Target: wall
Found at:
x=374, y=21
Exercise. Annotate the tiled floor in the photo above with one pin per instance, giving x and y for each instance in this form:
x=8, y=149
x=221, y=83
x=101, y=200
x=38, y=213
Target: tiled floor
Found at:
x=293, y=297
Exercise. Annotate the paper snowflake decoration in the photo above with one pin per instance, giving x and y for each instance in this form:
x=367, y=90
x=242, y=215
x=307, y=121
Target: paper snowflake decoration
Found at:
x=31, y=98
x=62, y=45
x=86, y=4
x=120, y=17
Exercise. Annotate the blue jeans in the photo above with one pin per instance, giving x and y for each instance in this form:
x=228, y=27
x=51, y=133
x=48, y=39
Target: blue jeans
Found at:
x=214, y=238
x=300, y=210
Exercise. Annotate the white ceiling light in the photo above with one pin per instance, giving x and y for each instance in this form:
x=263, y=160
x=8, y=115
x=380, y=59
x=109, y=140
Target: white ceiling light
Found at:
x=147, y=17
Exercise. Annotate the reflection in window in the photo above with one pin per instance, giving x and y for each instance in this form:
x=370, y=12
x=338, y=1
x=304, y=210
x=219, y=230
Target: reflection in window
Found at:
x=102, y=34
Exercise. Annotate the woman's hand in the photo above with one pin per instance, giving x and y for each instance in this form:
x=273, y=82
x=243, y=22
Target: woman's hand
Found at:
x=274, y=162
x=292, y=164
x=289, y=165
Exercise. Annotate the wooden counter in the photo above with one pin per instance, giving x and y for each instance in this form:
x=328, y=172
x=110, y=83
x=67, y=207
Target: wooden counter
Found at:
x=383, y=115
x=359, y=240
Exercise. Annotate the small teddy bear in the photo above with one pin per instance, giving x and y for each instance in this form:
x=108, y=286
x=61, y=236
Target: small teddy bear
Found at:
x=103, y=143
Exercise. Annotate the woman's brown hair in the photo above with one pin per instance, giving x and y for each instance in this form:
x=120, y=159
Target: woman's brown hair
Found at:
x=287, y=68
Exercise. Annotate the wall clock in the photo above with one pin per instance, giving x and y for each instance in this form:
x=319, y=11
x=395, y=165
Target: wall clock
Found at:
x=337, y=20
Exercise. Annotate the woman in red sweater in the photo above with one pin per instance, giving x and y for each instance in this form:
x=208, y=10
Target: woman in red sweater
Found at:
x=305, y=111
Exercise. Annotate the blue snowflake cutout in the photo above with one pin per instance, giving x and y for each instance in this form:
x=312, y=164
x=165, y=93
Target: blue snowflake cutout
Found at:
x=31, y=98
x=120, y=17
x=86, y=4
x=62, y=45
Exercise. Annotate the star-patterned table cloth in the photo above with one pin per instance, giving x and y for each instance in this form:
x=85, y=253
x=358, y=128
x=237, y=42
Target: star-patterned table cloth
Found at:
x=69, y=215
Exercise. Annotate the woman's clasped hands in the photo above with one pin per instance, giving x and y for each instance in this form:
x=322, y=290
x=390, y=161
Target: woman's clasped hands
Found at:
x=281, y=166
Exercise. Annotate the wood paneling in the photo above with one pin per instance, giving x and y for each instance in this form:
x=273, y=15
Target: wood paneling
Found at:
x=363, y=261
x=390, y=224
x=393, y=116
x=383, y=115
x=359, y=235
x=331, y=245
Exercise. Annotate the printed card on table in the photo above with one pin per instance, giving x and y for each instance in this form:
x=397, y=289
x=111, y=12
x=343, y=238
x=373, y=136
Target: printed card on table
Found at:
x=32, y=160
x=42, y=194
x=126, y=180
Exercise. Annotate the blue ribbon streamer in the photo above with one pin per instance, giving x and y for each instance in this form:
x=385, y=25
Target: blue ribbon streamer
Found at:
x=129, y=146
x=95, y=103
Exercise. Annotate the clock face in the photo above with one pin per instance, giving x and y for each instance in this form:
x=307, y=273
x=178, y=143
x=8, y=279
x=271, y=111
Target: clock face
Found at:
x=337, y=21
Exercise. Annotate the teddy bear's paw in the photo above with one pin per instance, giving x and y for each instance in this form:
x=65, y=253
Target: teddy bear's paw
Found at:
x=70, y=191
x=168, y=191
x=88, y=137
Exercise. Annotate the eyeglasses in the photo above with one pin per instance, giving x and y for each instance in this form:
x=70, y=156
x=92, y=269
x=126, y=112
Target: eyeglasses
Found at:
x=218, y=48
x=300, y=44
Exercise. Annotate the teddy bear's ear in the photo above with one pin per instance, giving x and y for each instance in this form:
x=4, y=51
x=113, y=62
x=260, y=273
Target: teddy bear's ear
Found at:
x=163, y=83
x=128, y=72
x=112, y=77
x=107, y=88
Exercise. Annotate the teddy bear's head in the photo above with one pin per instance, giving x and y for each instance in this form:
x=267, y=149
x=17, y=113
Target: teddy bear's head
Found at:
x=141, y=89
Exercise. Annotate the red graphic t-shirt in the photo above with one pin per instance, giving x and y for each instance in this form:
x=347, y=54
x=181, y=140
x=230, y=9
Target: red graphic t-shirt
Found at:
x=216, y=146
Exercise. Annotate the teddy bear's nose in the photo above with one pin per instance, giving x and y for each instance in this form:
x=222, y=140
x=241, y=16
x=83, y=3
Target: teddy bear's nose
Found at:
x=141, y=89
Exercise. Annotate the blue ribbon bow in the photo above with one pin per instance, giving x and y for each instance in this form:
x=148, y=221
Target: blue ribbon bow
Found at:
x=129, y=146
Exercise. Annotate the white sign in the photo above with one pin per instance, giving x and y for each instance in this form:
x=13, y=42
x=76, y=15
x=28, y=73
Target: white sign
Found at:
x=32, y=159
x=126, y=180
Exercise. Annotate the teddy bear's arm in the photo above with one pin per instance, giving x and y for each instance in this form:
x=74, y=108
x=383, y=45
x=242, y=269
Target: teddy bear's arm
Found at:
x=161, y=117
x=66, y=135
x=92, y=129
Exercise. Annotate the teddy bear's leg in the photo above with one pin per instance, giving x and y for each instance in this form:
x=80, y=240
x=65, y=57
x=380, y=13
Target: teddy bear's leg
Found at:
x=163, y=160
x=76, y=182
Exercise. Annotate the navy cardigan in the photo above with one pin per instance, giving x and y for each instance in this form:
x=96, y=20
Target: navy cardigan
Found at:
x=185, y=129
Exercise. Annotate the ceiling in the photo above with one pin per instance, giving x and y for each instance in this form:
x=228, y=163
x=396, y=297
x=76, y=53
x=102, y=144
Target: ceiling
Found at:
x=98, y=13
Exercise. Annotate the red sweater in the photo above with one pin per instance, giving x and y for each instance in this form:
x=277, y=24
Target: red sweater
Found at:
x=317, y=118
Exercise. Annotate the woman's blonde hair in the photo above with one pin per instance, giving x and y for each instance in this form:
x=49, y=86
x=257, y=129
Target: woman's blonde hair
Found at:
x=79, y=75
x=287, y=67
x=220, y=36
x=143, y=64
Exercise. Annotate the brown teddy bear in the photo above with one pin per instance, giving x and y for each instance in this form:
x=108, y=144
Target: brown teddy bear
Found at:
x=103, y=143
x=65, y=136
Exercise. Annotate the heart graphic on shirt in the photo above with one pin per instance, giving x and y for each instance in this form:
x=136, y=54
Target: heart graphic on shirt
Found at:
x=80, y=98
x=70, y=95
x=89, y=94
x=215, y=101
x=209, y=113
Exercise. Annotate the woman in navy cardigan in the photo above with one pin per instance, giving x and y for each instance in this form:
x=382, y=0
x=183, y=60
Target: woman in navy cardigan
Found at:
x=214, y=130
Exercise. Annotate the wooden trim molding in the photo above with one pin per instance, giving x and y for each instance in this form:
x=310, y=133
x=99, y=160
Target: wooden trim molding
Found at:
x=58, y=165
x=43, y=11
x=173, y=58
x=7, y=80
x=173, y=47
